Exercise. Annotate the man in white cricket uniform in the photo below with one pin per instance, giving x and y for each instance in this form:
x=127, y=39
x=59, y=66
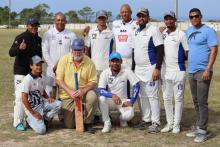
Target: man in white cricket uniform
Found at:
x=115, y=78
x=99, y=42
x=56, y=43
x=148, y=56
x=122, y=30
x=173, y=72
x=40, y=111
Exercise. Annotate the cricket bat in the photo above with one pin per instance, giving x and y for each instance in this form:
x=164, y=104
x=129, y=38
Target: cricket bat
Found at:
x=78, y=108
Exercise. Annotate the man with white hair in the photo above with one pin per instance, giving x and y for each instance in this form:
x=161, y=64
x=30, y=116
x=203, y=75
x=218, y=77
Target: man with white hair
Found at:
x=115, y=78
x=77, y=62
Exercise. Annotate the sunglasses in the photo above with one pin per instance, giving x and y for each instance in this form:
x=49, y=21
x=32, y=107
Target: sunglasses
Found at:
x=194, y=16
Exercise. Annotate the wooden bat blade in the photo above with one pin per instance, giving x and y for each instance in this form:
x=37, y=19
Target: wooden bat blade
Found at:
x=78, y=109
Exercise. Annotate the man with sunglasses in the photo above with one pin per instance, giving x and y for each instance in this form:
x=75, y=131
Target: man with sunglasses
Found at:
x=25, y=46
x=203, y=47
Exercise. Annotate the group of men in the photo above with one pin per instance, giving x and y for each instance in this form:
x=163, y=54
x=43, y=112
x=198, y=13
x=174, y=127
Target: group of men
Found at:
x=144, y=55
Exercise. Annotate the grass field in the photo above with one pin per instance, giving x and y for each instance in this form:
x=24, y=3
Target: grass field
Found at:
x=58, y=136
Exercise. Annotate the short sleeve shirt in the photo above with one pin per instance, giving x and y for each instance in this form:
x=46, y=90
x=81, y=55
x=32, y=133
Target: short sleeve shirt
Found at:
x=175, y=45
x=117, y=84
x=34, y=87
x=123, y=37
x=66, y=69
x=200, y=40
x=144, y=43
x=101, y=44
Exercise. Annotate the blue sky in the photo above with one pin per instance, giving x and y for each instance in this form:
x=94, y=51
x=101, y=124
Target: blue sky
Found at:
x=209, y=8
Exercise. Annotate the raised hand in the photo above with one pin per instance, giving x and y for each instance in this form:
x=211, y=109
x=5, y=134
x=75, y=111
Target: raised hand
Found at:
x=23, y=45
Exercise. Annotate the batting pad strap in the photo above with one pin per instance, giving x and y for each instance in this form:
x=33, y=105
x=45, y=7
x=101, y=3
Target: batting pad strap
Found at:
x=104, y=92
x=135, y=91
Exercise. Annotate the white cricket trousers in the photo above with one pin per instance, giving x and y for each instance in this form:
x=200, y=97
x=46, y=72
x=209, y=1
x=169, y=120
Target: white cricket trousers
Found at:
x=47, y=111
x=149, y=101
x=106, y=104
x=173, y=85
x=19, y=113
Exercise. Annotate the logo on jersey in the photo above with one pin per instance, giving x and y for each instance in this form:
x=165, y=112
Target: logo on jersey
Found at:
x=110, y=79
x=180, y=87
x=152, y=84
x=123, y=31
x=66, y=37
x=94, y=36
x=193, y=35
x=122, y=38
x=35, y=98
x=164, y=36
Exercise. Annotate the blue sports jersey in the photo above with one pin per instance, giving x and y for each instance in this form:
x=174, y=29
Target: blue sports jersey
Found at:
x=200, y=40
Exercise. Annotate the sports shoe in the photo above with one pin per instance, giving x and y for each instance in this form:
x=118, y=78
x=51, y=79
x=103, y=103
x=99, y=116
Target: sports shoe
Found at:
x=20, y=127
x=193, y=132
x=89, y=128
x=123, y=123
x=200, y=138
x=107, y=127
x=176, y=129
x=167, y=128
x=154, y=128
x=143, y=125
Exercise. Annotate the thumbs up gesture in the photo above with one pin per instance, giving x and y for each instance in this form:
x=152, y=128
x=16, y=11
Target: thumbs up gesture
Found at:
x=23, y=45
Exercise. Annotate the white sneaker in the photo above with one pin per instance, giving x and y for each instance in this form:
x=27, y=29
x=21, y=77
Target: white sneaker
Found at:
x=123, y=123
x=167, y=128
x=176, y=129
x=107, y=127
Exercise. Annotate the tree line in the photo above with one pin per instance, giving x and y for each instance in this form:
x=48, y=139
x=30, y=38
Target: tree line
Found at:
x=42, y=13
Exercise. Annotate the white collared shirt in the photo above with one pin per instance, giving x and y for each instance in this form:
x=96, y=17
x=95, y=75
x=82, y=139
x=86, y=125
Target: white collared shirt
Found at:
x=117, y=84
x=55, y=44
x=144, y=43
x=123, y=37
x=101, y=44
x=175, y=45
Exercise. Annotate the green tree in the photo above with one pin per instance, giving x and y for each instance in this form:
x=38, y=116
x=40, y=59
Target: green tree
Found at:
x=109, y=13
x=118, y=16
x=86, y=13
x=72, y=16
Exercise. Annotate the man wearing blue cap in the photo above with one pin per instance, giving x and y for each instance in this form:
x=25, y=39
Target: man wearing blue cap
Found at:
x=115, y=78
x=25, y=46
x=77, y=62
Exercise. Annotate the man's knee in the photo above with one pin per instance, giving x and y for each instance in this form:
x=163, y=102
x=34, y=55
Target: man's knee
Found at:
x=91, y=97
x=40, y=128
x=102, y=99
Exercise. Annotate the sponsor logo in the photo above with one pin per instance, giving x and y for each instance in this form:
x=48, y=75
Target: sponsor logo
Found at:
x=94, y=36
x=123, y=31
x=122, y=38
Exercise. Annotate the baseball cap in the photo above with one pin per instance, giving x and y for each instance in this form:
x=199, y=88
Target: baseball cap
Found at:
x=114, y=55
x=127, y=113
x=78, y=44
x=101, y=13
x=143, y=11
x=36, y=59
x=169, y=13
x=32, y=20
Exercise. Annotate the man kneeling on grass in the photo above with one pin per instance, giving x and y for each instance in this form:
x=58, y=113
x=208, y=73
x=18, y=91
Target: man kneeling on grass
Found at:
x=39, y=111
x=115, y=78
